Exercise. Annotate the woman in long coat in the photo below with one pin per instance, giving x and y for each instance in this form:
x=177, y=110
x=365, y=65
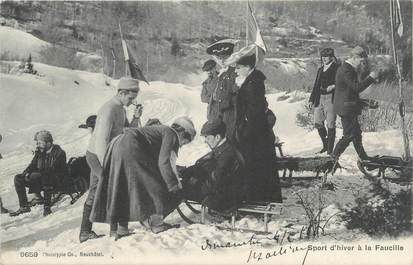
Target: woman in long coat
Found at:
x=139, y=180
x=253, y=133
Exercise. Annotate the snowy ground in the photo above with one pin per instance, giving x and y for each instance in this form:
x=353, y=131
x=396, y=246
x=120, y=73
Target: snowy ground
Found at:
x=55, y=102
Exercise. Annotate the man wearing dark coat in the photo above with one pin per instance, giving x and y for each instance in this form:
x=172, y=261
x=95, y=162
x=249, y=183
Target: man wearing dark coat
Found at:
x=46, y=171
x=253, y=133
x=140, y=181
x=321, y=100
x=347, y=101
x=223, y=98
x=215, y=180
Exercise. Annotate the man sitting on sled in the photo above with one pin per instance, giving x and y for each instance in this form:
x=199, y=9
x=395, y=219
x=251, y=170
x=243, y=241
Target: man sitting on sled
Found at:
x=215, y=180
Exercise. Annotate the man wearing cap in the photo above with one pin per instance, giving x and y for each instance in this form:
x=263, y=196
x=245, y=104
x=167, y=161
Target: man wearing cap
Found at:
x=140, y=181
x=347, y=101
x=208, y=87
x=215, y=180
x=322, y=100
x=223, y=97
x=46, y=170
x=110, y=121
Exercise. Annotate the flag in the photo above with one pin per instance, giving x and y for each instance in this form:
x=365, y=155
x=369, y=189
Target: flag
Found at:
x=254, y=35
x=396, y=17
x=132, y=67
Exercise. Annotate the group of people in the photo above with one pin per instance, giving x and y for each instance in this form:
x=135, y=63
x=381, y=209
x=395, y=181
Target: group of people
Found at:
x=134, y=176
x=336, y=92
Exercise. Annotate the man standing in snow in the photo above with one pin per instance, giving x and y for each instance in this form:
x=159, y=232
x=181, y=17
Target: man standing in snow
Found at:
x=347, y=101
x=223, y=98
x=46, y=171
x=209, y=86
x=322, y=100
x=111, y=119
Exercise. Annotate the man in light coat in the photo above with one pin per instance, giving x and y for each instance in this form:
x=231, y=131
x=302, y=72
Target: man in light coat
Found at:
x=111, y=119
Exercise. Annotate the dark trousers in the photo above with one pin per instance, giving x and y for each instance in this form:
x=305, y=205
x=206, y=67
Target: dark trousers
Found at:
x=96, y=171
x=351, y=133
x=33, y=181
x=95, y=174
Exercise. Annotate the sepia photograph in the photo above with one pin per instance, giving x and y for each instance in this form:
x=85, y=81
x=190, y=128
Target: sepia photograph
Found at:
x=206, y=132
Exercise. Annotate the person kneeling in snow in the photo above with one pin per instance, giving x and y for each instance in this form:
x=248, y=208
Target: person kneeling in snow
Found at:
x=140, y=181
x=45, y=172
x=215, y=180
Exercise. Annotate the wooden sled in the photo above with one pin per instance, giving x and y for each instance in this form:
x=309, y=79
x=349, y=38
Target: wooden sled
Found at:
x=264, y=209
x=289, y=164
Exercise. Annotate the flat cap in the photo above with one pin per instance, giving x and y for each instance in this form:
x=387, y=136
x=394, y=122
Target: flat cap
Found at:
x=127, y=83
x=327, y=52
x=213, y=127
x=208, y=65
x=359, y=52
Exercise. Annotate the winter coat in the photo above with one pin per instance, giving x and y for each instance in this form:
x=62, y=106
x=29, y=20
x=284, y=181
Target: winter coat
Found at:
x=51, y=165
x=346, y=100
x=111, y=119
x=215, y=180
x=223, y=101
x=254, y=139
x=208, y=87
x=322, y=81
x=137, y=171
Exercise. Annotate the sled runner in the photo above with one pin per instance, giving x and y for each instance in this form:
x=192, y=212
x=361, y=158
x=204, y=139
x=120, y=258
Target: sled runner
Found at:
x=402, y=170
x=200, y=213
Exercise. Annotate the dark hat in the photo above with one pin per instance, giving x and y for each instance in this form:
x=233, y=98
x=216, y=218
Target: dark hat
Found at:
x=152, y=122
x=90, y=122
x=248, y=60
x=358, y=51
x=222, y=47
x=209, y=65
x=213, y=127
x=327, y=52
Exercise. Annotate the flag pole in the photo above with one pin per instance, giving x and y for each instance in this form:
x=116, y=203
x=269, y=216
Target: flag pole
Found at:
x=126, y=59
x=399, y=77
x=246, y=24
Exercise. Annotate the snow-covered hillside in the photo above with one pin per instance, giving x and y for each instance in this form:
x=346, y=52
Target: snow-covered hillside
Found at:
x=19, y=43
x=61, y=99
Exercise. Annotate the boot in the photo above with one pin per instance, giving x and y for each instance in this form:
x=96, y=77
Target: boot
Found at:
x=86, y=235
x=323, y=136
x=21, y=210
x=86, y=232
x=331, y=137
x=123, y=231
x=158, y=225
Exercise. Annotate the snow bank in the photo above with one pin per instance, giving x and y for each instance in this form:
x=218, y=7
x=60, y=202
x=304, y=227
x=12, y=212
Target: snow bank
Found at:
x=19, y=44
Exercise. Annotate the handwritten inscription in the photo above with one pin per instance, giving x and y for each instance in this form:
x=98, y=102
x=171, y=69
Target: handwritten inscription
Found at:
x=213, y=245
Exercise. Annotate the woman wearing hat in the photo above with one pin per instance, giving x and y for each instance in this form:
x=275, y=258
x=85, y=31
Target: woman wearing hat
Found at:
x=322, y=99
x=253, y=132
x=139, y=181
